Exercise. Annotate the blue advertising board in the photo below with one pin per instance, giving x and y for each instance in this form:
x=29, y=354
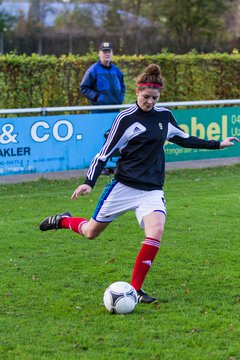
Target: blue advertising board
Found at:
x=68, y=142
x=51, y=143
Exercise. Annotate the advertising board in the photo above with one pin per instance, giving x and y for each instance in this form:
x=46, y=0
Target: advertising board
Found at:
x=68, y=142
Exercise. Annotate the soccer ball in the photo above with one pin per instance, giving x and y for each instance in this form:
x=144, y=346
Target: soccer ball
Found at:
x=120, y=298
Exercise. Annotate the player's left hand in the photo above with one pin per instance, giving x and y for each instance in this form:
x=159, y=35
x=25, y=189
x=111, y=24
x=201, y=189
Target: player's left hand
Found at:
x=228, y=142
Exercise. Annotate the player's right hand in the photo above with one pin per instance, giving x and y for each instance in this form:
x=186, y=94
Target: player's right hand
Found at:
x=83, y=189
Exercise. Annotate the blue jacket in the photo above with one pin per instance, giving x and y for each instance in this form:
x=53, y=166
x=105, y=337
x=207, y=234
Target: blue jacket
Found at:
x=103, y=85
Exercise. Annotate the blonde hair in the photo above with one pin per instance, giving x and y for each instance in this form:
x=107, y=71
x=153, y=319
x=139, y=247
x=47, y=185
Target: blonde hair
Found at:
x=151, y=77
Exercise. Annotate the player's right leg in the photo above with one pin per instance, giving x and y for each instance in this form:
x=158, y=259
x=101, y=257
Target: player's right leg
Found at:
x=53, y=222
x=90, y=229
x=93, y=228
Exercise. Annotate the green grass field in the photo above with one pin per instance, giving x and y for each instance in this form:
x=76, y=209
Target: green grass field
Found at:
x=52, y=283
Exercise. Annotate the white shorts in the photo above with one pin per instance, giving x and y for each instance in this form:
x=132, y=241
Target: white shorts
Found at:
x=117, y=198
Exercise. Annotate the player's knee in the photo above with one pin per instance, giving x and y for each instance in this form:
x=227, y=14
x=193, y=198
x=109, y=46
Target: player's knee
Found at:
x=88, y=231
x=91, y=234
x=156, y=231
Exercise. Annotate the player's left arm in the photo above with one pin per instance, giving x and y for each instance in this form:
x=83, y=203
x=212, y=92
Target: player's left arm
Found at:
x=228, y=142
x=179, y=137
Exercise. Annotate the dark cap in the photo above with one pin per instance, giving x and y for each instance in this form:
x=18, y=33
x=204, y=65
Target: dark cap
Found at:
x=105, y=46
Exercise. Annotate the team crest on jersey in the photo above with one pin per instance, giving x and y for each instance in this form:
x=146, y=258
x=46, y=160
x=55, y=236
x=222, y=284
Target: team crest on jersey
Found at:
x=160, y=126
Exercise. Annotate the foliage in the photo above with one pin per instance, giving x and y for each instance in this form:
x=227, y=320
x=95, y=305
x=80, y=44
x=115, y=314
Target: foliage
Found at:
x=73, y=21
x=113, y=21
x=52, y=283
x=6, y=21
x=40, y=81
x=134, y=27
x=193, y=24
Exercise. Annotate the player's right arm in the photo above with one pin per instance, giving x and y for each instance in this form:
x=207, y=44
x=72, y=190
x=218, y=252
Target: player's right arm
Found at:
x=115, y=141
x=83, y=189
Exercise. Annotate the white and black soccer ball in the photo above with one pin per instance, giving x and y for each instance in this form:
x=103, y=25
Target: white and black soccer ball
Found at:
x=120, y=298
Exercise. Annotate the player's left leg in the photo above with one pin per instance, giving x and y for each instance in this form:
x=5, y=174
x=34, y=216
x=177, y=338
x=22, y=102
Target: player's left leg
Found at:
x=154, y=226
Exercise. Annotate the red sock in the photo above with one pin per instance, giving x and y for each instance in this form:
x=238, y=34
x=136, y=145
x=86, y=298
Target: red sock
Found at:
x=73, y=224
x=144, y=261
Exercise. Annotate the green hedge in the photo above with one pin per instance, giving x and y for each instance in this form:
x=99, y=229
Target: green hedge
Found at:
x=40, y=81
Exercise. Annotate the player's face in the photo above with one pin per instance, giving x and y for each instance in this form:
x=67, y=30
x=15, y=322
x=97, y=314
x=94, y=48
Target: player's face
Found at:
x=147, y=98
x=105, y=56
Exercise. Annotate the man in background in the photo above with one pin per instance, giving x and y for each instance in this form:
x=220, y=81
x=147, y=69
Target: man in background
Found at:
x=103, y=82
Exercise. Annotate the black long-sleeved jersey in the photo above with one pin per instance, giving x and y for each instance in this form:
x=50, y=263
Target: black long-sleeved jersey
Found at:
x=140, y=136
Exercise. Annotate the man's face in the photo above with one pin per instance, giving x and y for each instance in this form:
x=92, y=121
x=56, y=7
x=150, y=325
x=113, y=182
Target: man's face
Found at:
x=105, y=56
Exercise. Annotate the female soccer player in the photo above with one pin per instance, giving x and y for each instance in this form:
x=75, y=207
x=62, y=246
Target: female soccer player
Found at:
x=139, y=133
